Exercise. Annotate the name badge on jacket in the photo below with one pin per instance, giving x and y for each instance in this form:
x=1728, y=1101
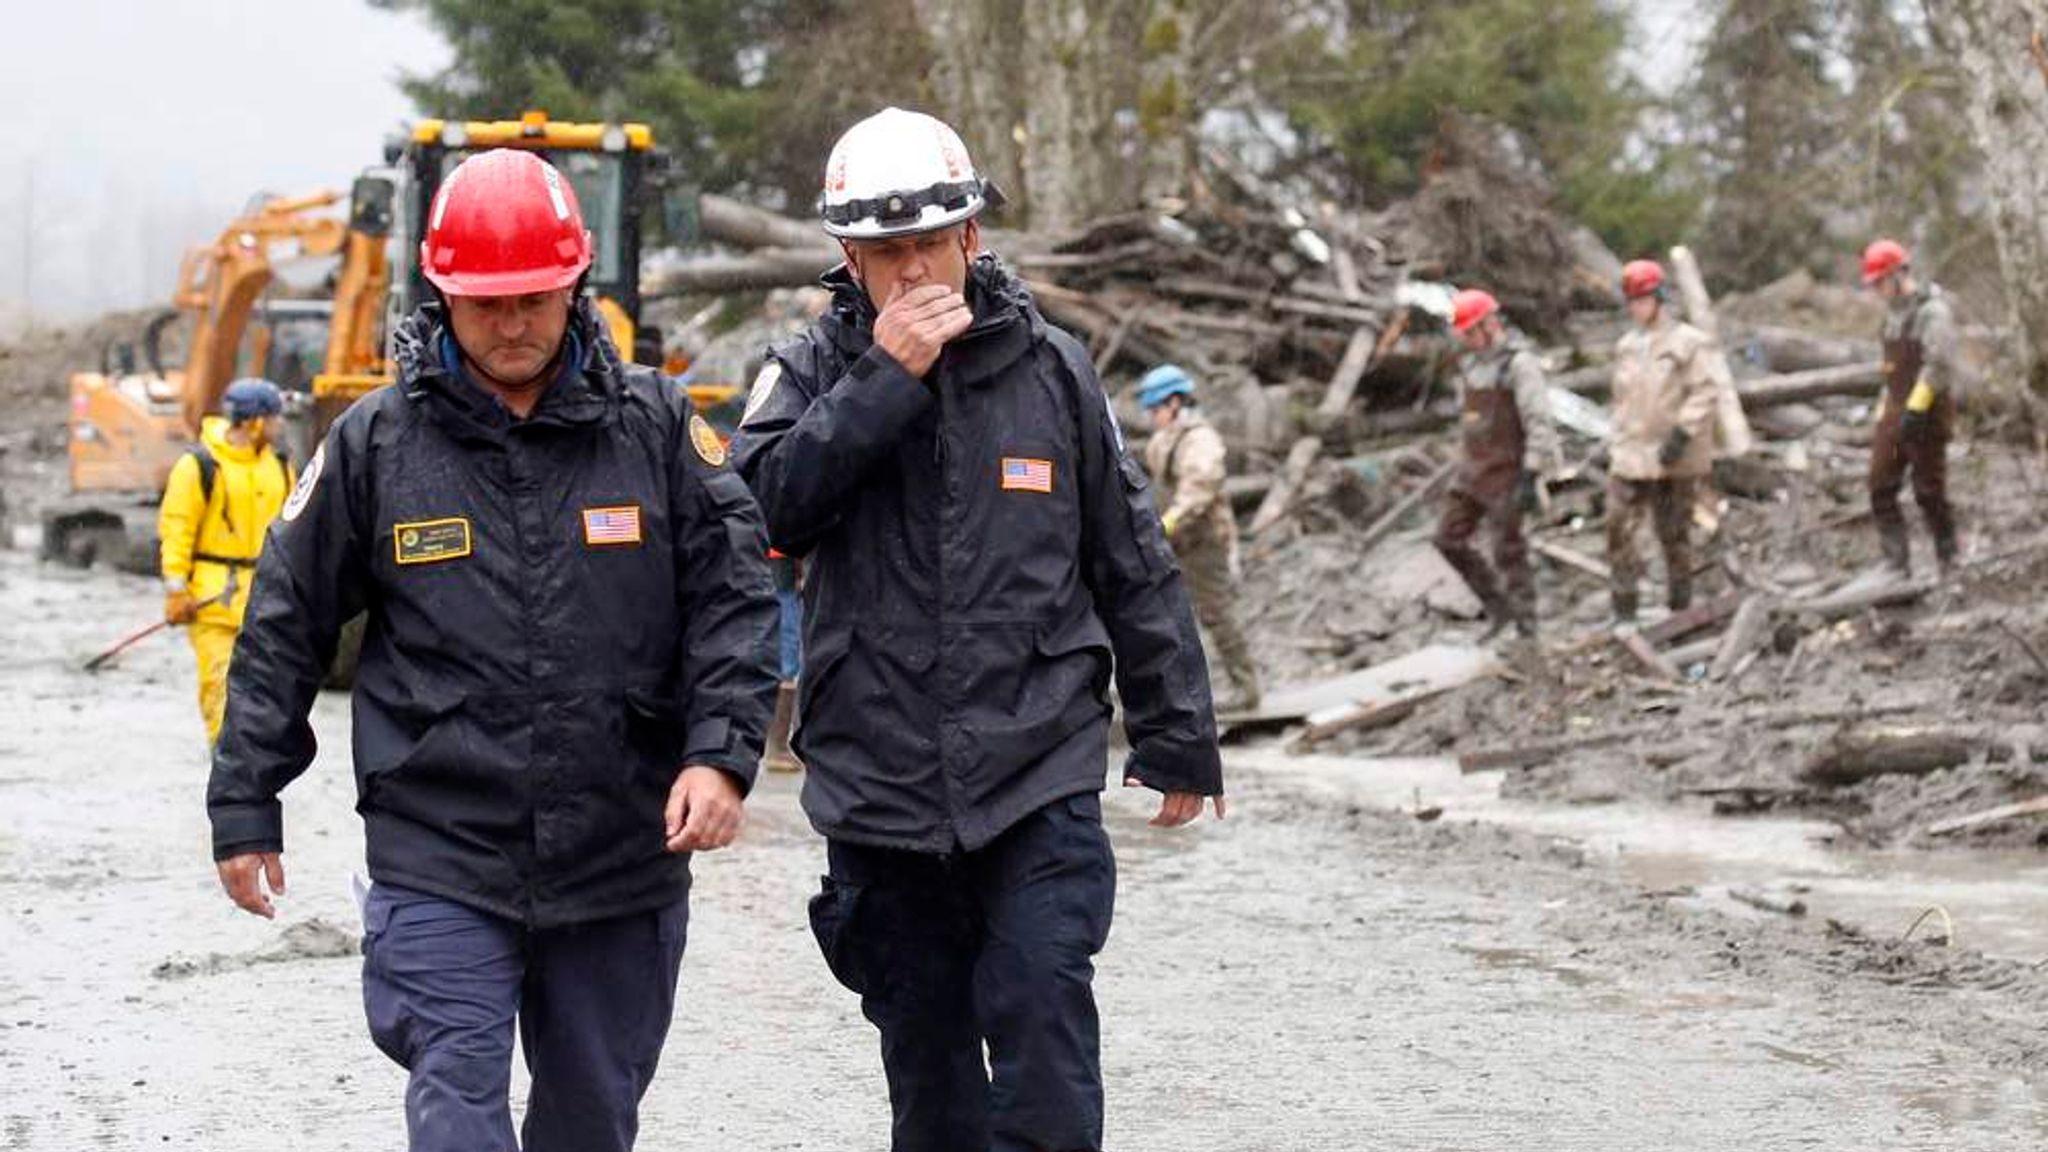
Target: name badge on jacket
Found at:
x=430, y=541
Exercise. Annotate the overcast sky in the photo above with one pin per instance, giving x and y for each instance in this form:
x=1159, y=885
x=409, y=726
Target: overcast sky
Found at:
x=149, y=123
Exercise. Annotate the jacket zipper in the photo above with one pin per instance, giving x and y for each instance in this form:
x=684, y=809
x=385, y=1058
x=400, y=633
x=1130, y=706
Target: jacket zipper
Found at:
x=942, y=453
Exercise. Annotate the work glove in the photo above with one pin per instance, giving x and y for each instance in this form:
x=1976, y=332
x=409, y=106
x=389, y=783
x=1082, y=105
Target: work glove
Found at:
x=1914, y=422
x=1674, y=447
x=1170, y=521
x=179, y=606
x=1528, y=495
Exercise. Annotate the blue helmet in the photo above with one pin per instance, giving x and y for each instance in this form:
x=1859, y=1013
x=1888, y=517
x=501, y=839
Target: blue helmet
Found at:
x=249, y=398
x=1161, y=383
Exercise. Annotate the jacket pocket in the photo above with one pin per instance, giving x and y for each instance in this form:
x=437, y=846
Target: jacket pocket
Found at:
x=655, y=727
x=395, y=735
x=1078, y=646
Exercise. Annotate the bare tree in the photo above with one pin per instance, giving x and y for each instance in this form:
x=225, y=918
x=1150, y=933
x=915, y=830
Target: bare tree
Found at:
x=1081, y=108
x=2001, y=49
x=975, y=45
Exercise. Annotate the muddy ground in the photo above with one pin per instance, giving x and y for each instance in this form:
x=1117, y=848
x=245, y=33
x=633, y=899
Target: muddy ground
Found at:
x=1322, y=971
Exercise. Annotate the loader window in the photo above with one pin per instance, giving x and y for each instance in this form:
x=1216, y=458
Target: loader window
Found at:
x=599, y=180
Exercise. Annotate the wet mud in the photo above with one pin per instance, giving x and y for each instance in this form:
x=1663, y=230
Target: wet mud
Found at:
x=1321, y=971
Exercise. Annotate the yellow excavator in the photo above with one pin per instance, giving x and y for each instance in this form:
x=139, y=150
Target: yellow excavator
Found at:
x=130, y=423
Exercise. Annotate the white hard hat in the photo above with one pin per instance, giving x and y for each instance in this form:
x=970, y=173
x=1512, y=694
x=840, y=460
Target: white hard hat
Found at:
x=900, y=172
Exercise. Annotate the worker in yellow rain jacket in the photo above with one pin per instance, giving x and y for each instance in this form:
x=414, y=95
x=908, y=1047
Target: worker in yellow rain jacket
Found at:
x=221, y=499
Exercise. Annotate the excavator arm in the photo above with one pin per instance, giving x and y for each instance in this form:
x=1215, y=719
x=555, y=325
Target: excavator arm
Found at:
x=222, y=282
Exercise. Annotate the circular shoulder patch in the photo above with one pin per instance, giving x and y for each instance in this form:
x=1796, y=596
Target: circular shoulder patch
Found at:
x=296, y=502
x=705, y=440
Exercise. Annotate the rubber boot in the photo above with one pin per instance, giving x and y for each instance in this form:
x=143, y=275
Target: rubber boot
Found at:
x=1679, y=595
x=1625, y=605
x=1898, y=553
x=778, y=757
x=1943, y=526
x=1522, y=609
x=1500, y=613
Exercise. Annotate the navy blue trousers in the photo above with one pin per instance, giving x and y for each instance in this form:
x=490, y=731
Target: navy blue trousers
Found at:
x=444, y=983
x=989, y=948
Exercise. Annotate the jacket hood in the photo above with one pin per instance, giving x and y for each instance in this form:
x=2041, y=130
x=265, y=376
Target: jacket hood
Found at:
x=213, y=432
x=429, y=367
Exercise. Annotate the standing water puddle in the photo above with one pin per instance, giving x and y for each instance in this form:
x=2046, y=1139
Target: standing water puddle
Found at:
x=1998, y=901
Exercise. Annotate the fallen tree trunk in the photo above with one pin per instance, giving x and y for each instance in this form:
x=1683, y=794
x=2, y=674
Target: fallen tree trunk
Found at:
x=1572, y=558
x=1751, y=621
x=1690, y=620
x=1358, y=355
x=1694, y=652
x=1647, y=655
x=1391, y=519
x=1859, y=596
x=742, y=225
x=1999, y=815
x=1853, y=755
x=1692, y=289
x=1292, y=475
x=756, y=271
x=1763, y=392
x=1796, y=387
x=1788, y=350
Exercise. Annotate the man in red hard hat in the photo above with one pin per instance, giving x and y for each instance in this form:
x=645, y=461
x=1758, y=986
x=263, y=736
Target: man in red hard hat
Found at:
x=565, y=678
x=1917, y=412
x=1510, y=444
x=1667, y=379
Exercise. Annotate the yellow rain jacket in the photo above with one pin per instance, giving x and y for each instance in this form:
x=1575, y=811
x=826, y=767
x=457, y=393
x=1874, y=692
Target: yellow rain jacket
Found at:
x=205, y=535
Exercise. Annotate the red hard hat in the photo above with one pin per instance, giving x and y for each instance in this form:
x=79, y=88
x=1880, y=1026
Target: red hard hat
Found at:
x=1469, y=307
x=1640, y=278
x=504, y=223
x=1883, y=258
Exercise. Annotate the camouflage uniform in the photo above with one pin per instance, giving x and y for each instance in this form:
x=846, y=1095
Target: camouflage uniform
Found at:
x=1665, y=377
x=1186, y=462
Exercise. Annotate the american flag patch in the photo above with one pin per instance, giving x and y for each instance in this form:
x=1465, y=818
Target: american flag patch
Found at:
x=1023, y=474
x=603, y=526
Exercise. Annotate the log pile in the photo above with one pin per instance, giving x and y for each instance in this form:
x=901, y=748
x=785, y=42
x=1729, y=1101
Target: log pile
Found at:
x=1230, y=288
x=1320, y=343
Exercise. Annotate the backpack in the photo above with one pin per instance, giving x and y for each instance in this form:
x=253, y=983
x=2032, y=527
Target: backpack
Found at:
x=209, y=471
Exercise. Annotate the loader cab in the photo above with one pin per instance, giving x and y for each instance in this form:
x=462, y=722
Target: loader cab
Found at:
x=289, y=345
x=616, y=170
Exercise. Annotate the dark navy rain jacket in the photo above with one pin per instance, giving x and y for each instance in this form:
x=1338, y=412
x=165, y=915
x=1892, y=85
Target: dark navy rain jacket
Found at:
x=982, y=552
x=562, y=612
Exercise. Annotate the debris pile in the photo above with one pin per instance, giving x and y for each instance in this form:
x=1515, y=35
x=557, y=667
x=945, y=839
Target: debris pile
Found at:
x=1798, y=679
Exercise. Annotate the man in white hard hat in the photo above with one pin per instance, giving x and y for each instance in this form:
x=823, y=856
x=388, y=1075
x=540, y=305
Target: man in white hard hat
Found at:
x=982, y=552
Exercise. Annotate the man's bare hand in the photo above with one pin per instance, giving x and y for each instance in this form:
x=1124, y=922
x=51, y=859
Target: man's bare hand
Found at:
x=704, y=810
x=1178, y=808
x=245, y=876
x=916, y=323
